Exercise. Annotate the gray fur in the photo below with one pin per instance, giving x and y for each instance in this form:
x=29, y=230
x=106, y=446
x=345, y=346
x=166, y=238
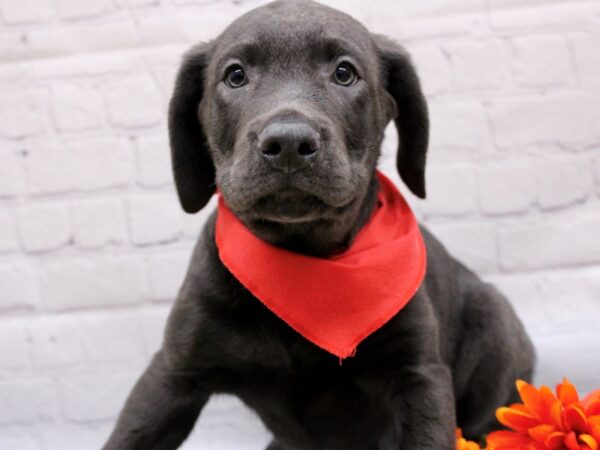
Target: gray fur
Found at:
x=451, y=356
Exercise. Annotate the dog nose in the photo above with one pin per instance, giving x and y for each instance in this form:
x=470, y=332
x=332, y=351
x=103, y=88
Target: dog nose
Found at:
x=288, y=146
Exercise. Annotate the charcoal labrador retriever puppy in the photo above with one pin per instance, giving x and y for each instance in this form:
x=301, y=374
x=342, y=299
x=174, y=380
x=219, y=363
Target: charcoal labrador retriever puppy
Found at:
x=284, y=113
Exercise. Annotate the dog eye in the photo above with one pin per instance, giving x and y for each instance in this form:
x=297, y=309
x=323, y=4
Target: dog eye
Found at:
x=345, y=74
x=235, y=77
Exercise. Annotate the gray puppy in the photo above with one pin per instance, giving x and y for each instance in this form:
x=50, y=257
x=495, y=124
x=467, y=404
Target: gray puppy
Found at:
x=285, y=112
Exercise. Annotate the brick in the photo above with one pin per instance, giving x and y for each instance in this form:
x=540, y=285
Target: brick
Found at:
x=99, y=222
x=76, y=107
x=26, y=400
x=17, y=286
x=562, y=183
x=461, y=125
x=12, y=180
x=18, y=438
x=587, y=57
x=102, y=162
x=450, y=191
x=167, y=272
x=24, y=11
x=153, y=325
x=597, y=174
x=154, y=218
x=556, y=116
x=113, y=338
x=22, y=112
x=472, y=243
x=14, y=344
x=93, y=282
x=44, y=227
x=9, y=238
x=433, y=68
x=95, y=396
x=479, y=65
x=194, y=223
x=70, y=436
x=50, y=168
x=75, y=9
x=57, y=342
x=507, y=188
x=154, y=161
x=560, y=243
x=551, y=17
x=133, y=102
x=542, y=60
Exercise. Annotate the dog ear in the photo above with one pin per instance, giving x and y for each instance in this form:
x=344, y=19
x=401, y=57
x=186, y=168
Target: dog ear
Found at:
x=192, y=165
x=409, y=111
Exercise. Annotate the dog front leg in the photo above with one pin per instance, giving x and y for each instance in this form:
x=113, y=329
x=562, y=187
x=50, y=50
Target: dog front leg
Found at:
x=427, y=413
x=160, y=411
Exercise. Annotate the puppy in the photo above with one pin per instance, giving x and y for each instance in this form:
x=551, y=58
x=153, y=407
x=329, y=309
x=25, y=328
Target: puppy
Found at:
x=284, y=113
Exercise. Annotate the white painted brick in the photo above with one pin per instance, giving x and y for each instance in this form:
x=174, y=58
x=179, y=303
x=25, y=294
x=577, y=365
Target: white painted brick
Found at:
x=542, y=60
x=153, y=327
x=597, y=174
x=459, y=124
x=92, y=282
x=76, y=107
x=12, y=180
x=50, y=167
x=479, y=65
x=154, y=218
x=550, y=17
x=70, y=436
x=507, y=188
x=9, y=238
x=113, y=338
x=26, y=400
x=23, y=11
x=563, y=182
x=18, y=286
x=558, y=243
x=473, y=243
x=75, y=9
x=194, y=223
x=22, y=112
x=44, y=227
x=154, y=161
x=99, y=222
x=95, y=397
x=102, y=162
x=18, y=438
x=46, y=42
x=433, y=68
x=14, y=344
x=57, y=342
x=560, y=119
x=450, y=191
x=133, y=101
x=587, y=56
x=166, y=273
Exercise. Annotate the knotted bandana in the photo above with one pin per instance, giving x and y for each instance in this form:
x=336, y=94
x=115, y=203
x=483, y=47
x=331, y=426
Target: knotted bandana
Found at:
x=334, y=302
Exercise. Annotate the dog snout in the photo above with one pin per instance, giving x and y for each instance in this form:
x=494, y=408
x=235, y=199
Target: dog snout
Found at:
x=288, y=146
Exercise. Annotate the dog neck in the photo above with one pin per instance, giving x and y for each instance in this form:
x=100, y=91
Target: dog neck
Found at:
x=320, y=238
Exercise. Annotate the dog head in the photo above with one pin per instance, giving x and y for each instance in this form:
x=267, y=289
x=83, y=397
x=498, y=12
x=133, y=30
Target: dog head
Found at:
x=285, y=112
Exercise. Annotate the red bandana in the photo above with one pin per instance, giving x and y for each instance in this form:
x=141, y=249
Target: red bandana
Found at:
x=333, y=302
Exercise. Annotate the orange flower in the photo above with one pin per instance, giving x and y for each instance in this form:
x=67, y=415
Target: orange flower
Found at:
x=463, y=444
x=545, y=421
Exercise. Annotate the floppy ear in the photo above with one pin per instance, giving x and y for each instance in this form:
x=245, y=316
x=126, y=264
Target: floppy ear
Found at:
x=409, y=111
x=192, y=165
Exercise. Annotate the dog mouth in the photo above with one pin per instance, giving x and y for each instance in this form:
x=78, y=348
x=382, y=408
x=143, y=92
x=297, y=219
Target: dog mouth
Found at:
x=291, y=205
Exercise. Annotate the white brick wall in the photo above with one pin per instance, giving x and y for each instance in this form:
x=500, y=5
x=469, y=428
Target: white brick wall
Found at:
x=93, y=246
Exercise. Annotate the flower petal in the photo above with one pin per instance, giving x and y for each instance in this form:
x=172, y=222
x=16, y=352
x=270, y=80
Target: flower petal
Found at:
x=532, y=399
x=576, y=419
x=541, y=432
x=555, y=440
x=591, y=442
x=567, y=393
x=516, y=420
x=507, y=440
